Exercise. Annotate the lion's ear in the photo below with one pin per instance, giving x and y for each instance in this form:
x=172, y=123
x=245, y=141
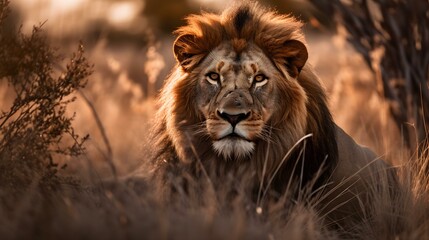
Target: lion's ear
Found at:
x=186, y=51
x=296, y=56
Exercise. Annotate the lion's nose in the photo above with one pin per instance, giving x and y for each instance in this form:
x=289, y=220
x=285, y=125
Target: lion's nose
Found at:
x=235, y=118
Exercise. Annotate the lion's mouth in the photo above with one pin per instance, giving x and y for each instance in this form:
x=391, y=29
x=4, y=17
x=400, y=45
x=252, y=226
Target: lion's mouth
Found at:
x=234, y=136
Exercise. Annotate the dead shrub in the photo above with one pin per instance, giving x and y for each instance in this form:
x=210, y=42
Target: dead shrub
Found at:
x=35, y=128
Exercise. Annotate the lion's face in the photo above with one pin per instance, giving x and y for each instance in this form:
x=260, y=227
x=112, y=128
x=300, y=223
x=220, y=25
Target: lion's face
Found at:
x=236, y=94
x=237, y=82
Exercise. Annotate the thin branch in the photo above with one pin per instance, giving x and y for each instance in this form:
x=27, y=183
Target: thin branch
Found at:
x=109, y=155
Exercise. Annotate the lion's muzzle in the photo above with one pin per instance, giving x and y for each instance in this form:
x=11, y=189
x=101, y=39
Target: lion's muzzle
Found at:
x=234, y=108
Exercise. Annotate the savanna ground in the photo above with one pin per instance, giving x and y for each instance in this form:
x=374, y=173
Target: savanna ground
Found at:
x=76, y=116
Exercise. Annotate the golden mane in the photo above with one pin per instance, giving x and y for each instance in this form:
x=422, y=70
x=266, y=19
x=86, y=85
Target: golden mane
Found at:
x=307, y=113
x=240, y=24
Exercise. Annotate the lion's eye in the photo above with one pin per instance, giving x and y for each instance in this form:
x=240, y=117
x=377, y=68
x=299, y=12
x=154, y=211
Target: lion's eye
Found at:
x=260, y=77
x=213, y=76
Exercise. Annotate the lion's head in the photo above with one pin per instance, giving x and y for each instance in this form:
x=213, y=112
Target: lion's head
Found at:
x=242, y=93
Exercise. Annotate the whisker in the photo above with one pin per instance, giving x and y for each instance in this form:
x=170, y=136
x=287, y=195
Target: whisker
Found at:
x=266, y=134
x=198, y=127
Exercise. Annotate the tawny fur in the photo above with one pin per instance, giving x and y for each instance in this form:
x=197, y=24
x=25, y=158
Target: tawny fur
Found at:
x=301, y=108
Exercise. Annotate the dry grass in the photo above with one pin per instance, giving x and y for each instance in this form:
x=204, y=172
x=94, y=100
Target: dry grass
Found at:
x=79, y=202
x=391, y=37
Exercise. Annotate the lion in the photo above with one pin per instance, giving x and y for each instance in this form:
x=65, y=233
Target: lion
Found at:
x=242, y=96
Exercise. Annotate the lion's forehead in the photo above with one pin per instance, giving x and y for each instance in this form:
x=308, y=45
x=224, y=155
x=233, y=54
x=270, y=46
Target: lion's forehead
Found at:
x=238, y=73
x=238, y=67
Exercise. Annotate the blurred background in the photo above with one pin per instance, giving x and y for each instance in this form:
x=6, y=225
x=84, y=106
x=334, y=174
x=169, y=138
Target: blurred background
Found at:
x=130, y=44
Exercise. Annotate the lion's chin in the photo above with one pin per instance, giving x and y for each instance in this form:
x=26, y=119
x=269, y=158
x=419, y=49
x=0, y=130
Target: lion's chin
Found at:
x=233, y=148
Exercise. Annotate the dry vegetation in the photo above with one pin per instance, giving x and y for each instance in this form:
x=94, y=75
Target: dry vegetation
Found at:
x=40, y=199
x=35, y=128
x=392, y=37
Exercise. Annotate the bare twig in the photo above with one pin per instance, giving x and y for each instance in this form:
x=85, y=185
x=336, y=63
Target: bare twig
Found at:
x=109, y=155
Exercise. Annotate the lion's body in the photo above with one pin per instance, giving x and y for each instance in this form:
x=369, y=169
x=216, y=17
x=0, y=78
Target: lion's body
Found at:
x=242, y=96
